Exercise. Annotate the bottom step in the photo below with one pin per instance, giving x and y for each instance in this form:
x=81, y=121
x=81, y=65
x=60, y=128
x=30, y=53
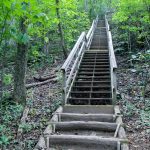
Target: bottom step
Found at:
x=77, y=142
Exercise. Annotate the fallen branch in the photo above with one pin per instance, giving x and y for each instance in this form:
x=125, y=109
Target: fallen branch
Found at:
x=41, y=83
x=44, y=78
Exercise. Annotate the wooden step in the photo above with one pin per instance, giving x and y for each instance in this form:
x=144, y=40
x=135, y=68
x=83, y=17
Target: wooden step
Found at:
x=91, y=77
x=94, y=63
x=89, y=101
x=92, y=92
x=92, y=83
x=96, y=57
x=77, y=94
x=93, y=88
x=86, y=109
x=84, y=125
x=98, y=47
x=93, y=69
x=94, y=74
x=84, y=142
x=97, y=52
x=86, y=117
x=93, y=60
x=95, y=66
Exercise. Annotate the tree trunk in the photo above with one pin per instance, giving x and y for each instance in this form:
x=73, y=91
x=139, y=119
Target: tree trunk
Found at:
x=3, y=62
x=86, y=5
x=61, y=30
x=19, y=92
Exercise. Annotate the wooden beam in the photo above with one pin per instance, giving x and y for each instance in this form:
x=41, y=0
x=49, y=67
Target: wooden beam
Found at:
x=86, y=117
x=86, y=140
x=107, y=109
x=86, y=125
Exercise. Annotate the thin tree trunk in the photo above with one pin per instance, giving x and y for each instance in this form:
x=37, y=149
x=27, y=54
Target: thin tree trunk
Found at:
x=19, y=92
x=86, y=5
x=3, y=62
x=2, y=74
x=2, y=37
x=61, y=30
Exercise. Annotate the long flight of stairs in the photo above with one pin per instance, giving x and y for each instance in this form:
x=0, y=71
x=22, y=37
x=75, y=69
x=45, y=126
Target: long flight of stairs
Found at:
x=89, y=120
x=92, y=85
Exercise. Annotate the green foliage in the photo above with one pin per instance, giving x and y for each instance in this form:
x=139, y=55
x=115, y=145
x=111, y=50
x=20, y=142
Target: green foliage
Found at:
x=7, y=79
x=4, y=140
x=10, y=114
x=132, y=18
x=129, y=109
x=25, y=127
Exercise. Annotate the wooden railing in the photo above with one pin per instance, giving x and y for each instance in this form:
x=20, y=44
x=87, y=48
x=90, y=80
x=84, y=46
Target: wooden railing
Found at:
x=90, y=34
x=113, y=64
x=71, y=65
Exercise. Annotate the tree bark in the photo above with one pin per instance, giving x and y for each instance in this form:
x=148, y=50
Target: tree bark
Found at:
x=19, y=92
x=61, y=30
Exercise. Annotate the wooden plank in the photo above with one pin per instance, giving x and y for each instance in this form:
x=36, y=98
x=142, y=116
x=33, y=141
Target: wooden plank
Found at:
x=112, y=54
x=86, y=140
x=84, y=125
x=85, y=109
x=86, y=117
x=117, y=129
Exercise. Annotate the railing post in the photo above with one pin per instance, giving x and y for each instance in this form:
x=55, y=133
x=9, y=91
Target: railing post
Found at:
x=64, y=86
x=114, y=86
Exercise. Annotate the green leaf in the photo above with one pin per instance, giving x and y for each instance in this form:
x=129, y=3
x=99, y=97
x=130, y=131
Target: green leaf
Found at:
x=25, y=38
x=46, y=39
x=4, y=139
x=7, y=79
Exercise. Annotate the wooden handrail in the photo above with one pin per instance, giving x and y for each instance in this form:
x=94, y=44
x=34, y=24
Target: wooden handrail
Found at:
x=110, y=44
x=113, y=63
x=73, y=52
x=90, y=33
x=71, y=64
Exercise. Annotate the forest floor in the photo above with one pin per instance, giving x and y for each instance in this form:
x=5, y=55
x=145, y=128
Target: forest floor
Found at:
x=135, y=109
x=43, y=100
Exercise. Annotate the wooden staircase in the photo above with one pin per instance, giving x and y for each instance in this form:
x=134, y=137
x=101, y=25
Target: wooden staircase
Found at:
x=89, y=119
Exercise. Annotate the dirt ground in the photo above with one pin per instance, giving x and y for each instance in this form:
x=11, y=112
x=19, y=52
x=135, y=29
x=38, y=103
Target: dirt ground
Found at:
x=135, y=109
